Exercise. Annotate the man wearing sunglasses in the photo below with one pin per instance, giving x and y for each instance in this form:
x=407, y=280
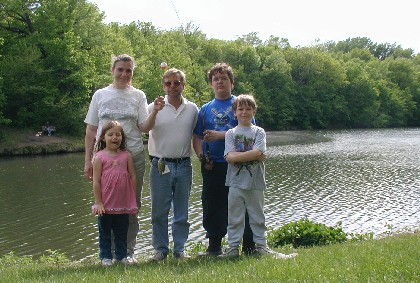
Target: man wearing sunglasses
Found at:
x=171, y=169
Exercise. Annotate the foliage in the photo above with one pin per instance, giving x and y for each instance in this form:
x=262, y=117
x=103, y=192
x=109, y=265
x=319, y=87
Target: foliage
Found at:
x=55, y=53
x=305, y=233
x=54, y=257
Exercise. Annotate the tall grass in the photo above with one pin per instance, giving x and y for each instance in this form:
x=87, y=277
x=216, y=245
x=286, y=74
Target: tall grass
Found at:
x=391, y=259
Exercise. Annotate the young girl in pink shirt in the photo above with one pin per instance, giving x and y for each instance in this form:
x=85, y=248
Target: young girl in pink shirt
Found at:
x=114, y=182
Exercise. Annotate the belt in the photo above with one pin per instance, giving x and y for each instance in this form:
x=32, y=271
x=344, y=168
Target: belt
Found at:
x=172, y=160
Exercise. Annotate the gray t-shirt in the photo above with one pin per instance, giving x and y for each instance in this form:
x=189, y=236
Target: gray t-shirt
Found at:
x=127, y=106
x=250, y=175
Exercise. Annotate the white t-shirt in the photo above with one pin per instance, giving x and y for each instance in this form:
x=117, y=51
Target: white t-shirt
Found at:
x=172, y=133
x=127, y=106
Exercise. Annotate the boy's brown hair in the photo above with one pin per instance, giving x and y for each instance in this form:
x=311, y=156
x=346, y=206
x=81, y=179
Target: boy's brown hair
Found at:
x=221, y=68
x=244, y=99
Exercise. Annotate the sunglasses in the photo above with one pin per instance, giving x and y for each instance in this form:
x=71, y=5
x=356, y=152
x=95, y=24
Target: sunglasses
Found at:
x=169, y=84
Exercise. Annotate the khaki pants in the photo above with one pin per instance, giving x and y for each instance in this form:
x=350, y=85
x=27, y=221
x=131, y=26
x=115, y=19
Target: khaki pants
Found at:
x=133, y=222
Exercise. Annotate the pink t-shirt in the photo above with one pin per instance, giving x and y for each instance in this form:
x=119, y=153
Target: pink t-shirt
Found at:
x=117, y=188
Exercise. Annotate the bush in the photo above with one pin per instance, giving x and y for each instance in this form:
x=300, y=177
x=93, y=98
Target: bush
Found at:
x=305, y=233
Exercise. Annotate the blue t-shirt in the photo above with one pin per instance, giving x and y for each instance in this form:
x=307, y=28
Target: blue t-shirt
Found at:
x=216, y=115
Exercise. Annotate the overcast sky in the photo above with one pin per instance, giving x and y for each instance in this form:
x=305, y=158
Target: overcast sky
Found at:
x=302, y=22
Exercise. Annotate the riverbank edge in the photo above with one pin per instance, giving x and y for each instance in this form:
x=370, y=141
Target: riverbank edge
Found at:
x=26, y=142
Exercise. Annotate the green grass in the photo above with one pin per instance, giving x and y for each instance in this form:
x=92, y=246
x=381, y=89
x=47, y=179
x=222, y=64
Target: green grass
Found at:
x=391, y=259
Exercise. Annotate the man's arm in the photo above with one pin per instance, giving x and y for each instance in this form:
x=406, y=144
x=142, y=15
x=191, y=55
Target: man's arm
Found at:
x=147, y=125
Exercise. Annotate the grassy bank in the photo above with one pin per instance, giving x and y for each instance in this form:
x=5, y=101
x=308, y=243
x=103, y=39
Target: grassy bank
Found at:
x=26, y=142
x=391, y=259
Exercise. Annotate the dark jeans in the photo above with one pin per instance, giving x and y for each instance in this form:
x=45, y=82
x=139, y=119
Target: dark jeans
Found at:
x=118, y=224
x=214, y=200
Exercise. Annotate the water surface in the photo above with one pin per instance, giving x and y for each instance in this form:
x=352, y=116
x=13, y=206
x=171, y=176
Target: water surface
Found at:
x=366, y=179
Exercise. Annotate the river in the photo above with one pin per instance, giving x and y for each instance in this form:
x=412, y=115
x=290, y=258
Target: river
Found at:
x=368, y=180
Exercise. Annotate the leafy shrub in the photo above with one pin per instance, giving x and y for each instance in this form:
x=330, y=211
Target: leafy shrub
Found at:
x=305, y=233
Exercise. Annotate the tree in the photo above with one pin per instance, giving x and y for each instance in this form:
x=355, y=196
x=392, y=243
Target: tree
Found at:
x=49, y=63
x=318, y=78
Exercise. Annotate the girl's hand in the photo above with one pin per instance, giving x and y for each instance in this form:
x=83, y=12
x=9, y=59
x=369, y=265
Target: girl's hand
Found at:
x=98, y=209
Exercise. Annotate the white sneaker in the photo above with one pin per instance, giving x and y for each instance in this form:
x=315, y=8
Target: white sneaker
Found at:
x=106, y=262
x=129, y=260
x=267, y=251
x=229, y=253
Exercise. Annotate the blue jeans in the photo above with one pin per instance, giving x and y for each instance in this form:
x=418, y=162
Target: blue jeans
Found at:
x=170, y=190
x=118, y=224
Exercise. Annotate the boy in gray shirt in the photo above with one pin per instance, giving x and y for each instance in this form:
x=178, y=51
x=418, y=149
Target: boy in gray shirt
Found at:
x=245, y=147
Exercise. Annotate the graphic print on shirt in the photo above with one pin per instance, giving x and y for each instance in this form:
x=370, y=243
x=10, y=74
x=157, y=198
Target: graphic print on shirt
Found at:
x=220, y=120
x=115, y=162
x=243, y=143
x=118, y=109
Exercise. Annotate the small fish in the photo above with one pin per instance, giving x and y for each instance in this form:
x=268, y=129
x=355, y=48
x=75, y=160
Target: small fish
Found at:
x=161, y=166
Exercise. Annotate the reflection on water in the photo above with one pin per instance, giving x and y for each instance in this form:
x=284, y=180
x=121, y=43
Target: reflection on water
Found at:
x=367, y=179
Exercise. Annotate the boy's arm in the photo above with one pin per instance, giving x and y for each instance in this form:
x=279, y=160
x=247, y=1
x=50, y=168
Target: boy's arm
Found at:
x=240, y=157
x=197, y=145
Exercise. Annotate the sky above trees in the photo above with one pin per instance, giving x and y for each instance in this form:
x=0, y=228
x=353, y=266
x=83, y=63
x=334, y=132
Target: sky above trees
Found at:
x=302, y=22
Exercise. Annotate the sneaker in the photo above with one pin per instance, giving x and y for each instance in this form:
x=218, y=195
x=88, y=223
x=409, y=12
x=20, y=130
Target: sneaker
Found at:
x=182, y=255
x=131, y=259
x=159, y=256
x=210, y=253
x=229, y=253
x=128, y=260
x=266, y=251
x=106, y=262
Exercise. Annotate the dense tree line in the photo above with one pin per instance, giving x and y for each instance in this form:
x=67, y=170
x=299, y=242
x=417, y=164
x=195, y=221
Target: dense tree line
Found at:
x=55, y=53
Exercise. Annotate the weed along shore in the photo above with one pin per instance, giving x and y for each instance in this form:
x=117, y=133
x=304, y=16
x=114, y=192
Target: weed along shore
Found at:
x=389, y=259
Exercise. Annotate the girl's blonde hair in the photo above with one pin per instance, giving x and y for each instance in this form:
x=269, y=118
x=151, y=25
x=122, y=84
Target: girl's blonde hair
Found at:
x=100, y=143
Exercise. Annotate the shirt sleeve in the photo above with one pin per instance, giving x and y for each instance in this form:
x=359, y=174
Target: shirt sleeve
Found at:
x=199, y=126
x=142, y=113
x=260, y=140
x=229, y=142
x=92, y=117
